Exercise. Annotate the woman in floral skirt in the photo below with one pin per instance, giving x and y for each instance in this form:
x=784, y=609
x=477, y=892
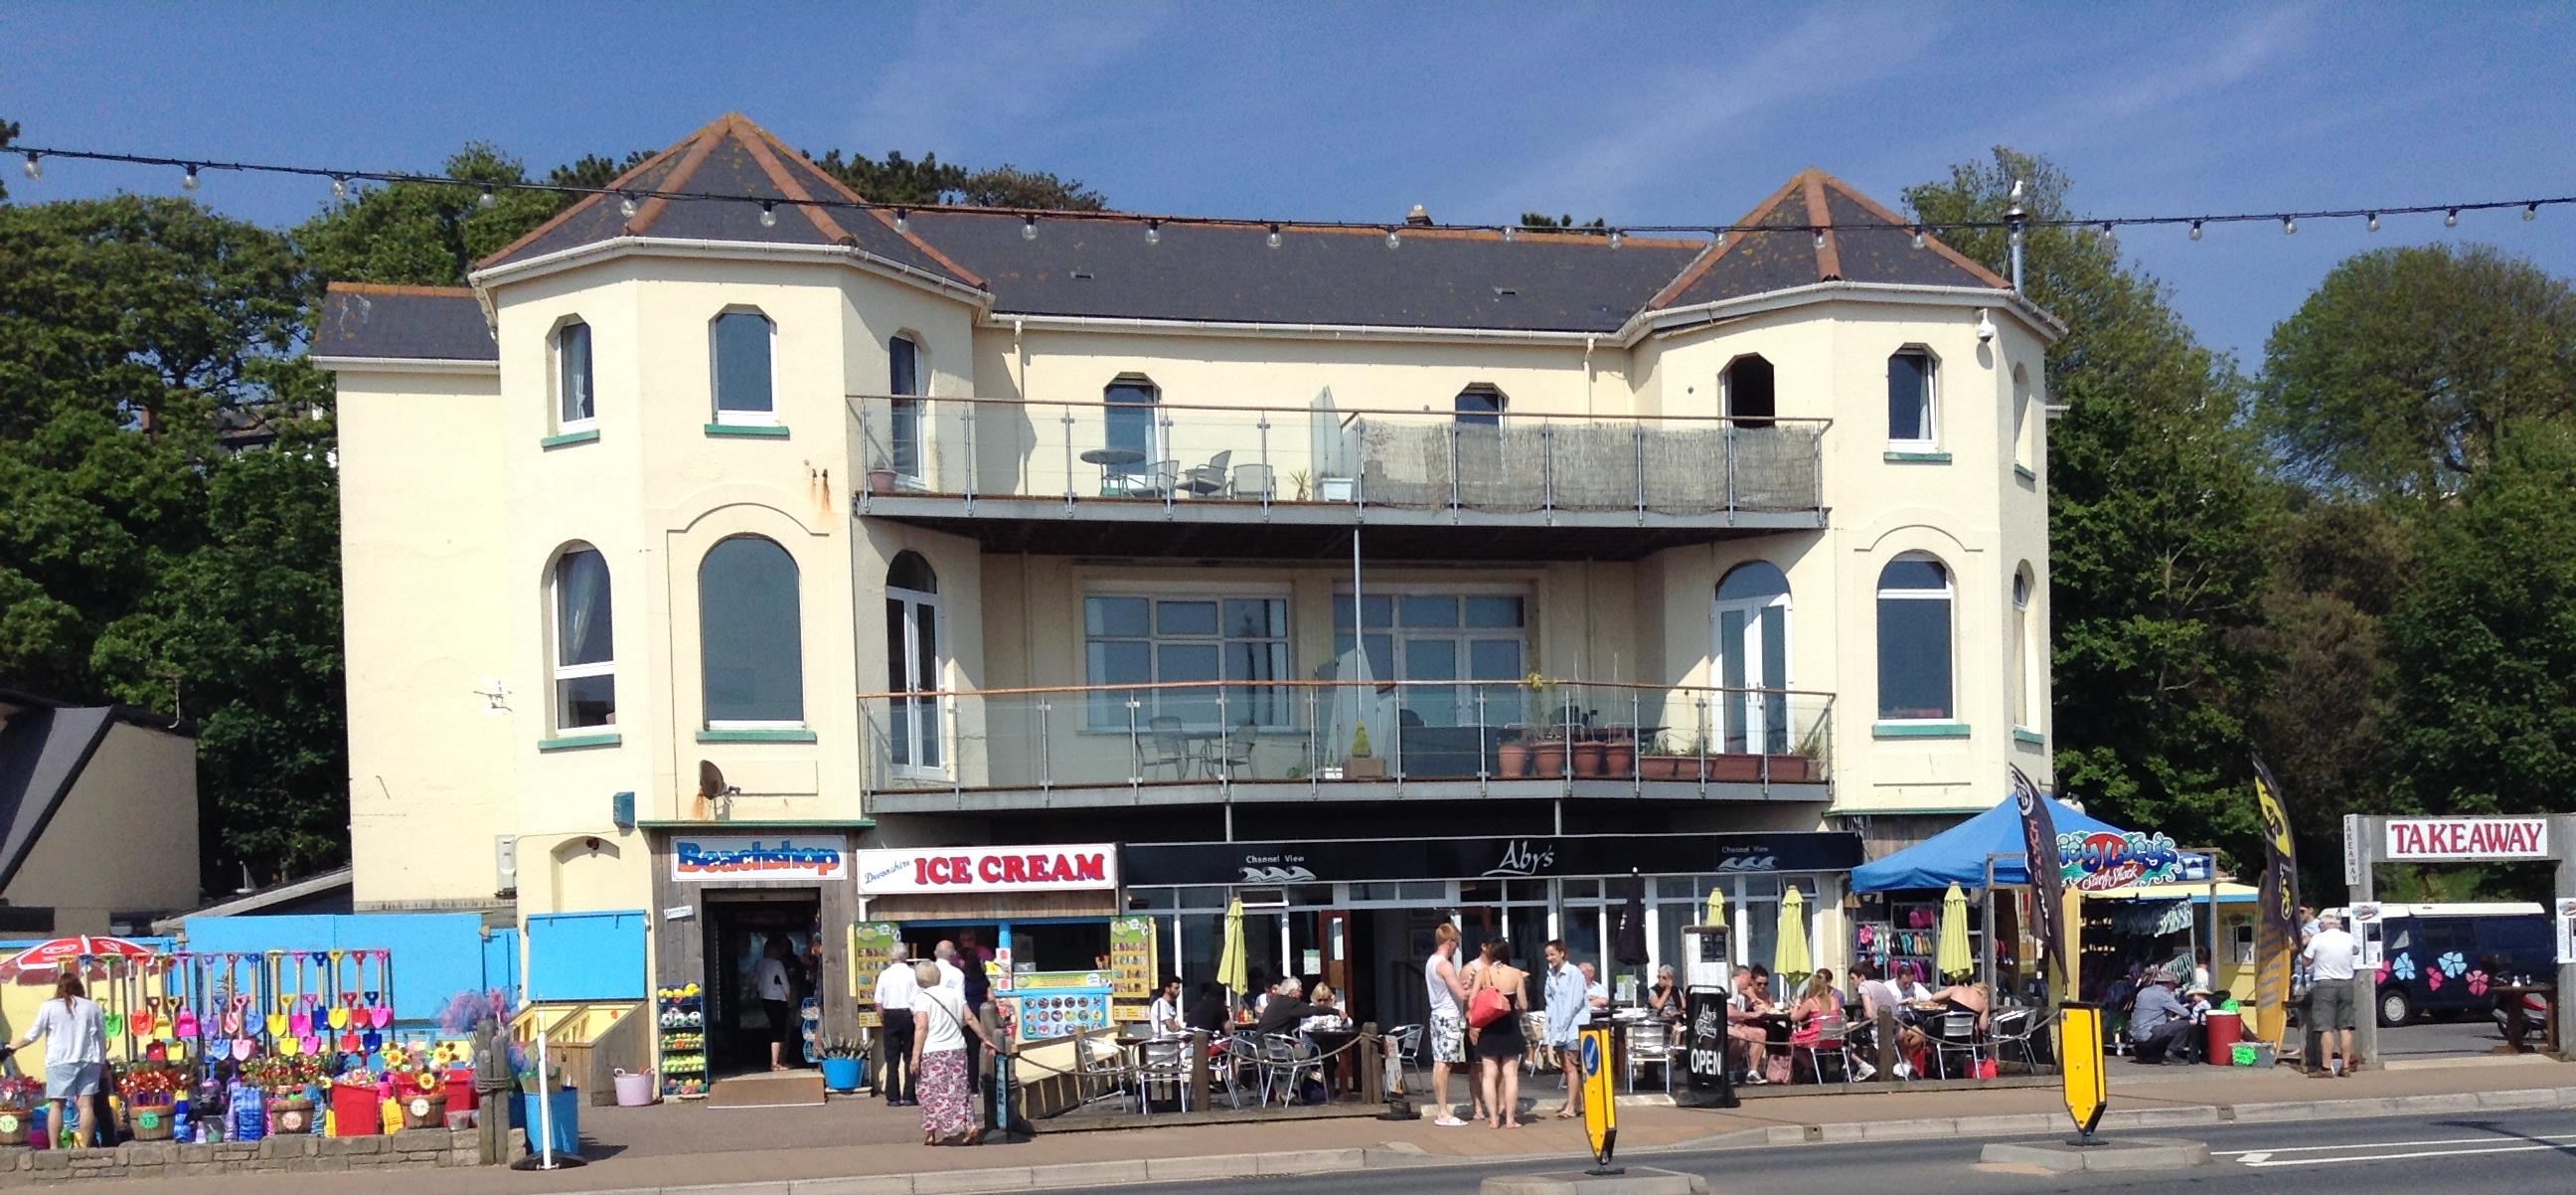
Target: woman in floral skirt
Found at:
x=939, y=1030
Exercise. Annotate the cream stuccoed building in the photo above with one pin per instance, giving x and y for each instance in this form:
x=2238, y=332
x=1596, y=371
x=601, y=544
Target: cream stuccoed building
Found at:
x=768, y=568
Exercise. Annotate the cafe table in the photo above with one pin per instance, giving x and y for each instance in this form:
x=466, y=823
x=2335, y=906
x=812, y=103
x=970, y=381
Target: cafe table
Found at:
x=1341, y=1076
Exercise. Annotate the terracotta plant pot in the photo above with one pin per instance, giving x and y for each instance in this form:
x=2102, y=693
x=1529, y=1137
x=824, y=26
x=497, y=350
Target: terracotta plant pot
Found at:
x=1511, y=760
x=880, y=481
x=1733, y=768
x=1668, y=767
x=1791, y=769
x=1548, y=759
x=1619, y=758
x=1588, y=758
x=1358, y=768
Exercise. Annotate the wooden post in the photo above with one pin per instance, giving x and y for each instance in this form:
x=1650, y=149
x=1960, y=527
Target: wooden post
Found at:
x=1369, y=1055
x=1884, y=1038
x=1199, y=1069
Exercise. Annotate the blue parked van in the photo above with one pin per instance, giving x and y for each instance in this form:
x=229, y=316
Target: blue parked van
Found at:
x=2439, y=959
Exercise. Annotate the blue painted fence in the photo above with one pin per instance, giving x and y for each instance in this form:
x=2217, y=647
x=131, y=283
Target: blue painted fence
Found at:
x=587, y=956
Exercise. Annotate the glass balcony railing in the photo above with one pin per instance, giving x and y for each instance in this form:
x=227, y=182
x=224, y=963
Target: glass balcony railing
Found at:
x=1319, y=733
x=1172, y=453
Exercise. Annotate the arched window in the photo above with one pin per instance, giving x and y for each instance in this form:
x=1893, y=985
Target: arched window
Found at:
x=912, y=663
x=750, y=637
x=1912, y=411
x=2025, y=651
x=1480, y=406
x=743, y=343
x=1753, y=658
x=585, y=663
x=1750, y=401
x=903, y=381
x=1133, y=436
x=574, y=406
x=1914, y=660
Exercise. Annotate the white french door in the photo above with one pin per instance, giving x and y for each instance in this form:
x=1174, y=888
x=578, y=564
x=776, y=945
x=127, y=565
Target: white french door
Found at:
x=1753, y=665
x=912, y=662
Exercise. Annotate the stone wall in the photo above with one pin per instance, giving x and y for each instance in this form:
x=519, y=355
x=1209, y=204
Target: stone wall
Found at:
x=411, y=1149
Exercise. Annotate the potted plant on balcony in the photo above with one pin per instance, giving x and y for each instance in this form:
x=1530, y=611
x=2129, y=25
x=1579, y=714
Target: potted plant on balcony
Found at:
x=1662, y=760
x=1590, y=750
x=1511, y=755
x=1547, y=727
x=1363, y=763
x=881, y=480
x=1618, y=754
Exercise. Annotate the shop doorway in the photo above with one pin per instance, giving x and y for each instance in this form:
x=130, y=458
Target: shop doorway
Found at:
x=740, y=926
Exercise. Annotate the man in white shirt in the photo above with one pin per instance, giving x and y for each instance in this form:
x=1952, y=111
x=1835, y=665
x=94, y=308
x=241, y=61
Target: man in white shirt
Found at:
x=1596, y=994
x=1448, y=1028
x=1166, y=1015
x=895, y=989
x=2333, y=957
x=951, y=976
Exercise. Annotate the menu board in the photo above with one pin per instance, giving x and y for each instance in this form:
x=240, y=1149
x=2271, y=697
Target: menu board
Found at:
x=1131, y=961
x=874, y=946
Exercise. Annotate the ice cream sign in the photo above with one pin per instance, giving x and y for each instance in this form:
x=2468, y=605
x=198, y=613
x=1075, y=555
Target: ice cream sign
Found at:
x=2101, y=861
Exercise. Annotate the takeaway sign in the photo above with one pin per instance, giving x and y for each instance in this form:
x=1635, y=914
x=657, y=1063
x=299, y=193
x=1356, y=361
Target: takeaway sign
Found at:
x=2469, y=839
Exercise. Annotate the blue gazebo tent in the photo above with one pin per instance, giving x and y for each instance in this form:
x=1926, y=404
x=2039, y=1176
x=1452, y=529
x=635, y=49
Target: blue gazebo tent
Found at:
x=1958, y=855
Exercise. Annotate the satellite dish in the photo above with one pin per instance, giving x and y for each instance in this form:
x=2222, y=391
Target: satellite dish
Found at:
x=711, y=784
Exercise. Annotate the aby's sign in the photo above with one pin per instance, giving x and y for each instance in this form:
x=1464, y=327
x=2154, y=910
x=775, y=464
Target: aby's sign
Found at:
x=696, y=859
x=1055, y=868
x=2474, y=839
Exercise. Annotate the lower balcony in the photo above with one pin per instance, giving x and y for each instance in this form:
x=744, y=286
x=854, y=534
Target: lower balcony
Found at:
x=1190, y=744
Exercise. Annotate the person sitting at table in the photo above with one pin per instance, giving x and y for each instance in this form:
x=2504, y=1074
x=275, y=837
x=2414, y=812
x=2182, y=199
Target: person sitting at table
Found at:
x=1909, y=985
x=1286, y=1009
x=1820, y=1000
x=1165, y=1017
x=1877, y=995
x=2159, y=1020
x=1663, y=1000
x=1596, y=994
x=1746, y=1037
x=1207, y=1013
x=1970, y=997
x=1327, y=1014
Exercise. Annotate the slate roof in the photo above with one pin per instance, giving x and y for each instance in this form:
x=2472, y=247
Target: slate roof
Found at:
x=1104, y=267
x=440, y=323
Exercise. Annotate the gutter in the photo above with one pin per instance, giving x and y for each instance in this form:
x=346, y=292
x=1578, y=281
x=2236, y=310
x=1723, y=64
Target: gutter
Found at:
x=406, y=365
x=1195, y=327
x=1682, y=319
x=563, y=259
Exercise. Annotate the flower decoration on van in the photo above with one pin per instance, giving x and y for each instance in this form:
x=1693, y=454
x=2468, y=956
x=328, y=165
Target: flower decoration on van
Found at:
x=2454, y=964
x=2405, y=967
x=2433, y=979
x=2477, y=983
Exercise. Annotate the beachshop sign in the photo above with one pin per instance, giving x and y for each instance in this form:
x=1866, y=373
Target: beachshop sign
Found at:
x=2105, y=861
x=1072, y=867
x=2474, y=839
x=705, y=859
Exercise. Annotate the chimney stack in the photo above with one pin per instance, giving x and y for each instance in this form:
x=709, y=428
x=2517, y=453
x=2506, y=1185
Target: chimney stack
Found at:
x=1420, y=216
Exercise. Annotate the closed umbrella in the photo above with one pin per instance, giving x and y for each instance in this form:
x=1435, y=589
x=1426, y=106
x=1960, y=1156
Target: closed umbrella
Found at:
x=1232, y=969
x=1792, y=958
x=1631, y=943
x=1953, y=957
x=1716, y=914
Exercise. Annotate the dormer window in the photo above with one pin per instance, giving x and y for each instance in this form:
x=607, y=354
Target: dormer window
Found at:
x=1480, y=406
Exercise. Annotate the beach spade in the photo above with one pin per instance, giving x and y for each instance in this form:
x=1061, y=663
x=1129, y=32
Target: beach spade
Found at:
x=347, y=1009
x=114, y=1023
x=241, y=1049
x=185, y=1024
x=277, y=1023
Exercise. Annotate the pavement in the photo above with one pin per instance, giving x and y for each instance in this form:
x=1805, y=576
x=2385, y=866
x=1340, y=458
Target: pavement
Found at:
x=857, y=1146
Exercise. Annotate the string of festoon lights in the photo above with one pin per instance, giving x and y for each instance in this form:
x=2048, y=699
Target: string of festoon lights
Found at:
x=765, y=210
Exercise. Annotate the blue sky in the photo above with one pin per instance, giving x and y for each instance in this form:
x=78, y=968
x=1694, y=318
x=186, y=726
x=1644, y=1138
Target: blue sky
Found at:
x=1686, y=114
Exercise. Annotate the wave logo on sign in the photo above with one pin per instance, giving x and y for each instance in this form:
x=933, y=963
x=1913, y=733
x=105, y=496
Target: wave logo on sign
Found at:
x=1276, y=875
x=1751, y=863
x=2101, y=861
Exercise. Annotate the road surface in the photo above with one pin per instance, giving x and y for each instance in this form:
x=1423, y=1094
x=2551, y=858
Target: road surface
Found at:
x=2505, y=1151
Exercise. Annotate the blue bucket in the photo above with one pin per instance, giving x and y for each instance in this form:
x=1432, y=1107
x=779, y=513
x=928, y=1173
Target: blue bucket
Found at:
x=845, y=1074
x=567, y=1119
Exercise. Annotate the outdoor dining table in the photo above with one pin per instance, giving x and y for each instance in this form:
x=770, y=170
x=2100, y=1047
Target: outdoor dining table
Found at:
x=1113, y=462
x=1339, y=1079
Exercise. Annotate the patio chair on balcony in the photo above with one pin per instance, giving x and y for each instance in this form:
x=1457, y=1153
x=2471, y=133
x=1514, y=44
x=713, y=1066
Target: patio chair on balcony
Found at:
x=1148, y=479
x=1231, y=754
x=1207, y=480
x=1253, y=482
x=1164, y=746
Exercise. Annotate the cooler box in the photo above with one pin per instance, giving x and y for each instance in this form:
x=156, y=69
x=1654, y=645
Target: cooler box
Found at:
x=2225, y=1030
x=461, y=1096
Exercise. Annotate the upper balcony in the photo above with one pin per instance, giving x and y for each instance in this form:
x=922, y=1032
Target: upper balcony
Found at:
x=1188, y=744
x=1178, y=479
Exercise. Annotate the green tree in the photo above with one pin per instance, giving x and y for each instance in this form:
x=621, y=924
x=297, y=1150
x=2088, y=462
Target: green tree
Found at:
x=430, y=234
x=594, y=171
x=2485, y=637
x=1543, y=220
x=8, y=134
x=2155, y=506
x=2398, y=375
x=929, y=181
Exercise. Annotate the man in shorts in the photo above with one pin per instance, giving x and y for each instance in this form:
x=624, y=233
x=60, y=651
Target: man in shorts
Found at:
x=2333, y=957
x=1447, y=990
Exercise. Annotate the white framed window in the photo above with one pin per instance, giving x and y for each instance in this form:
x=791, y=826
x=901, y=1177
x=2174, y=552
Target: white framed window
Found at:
x=1132, y=432
x=903, y=381
x=744, y=349
x=1234, y=639
x=2025, y=642
x=1914, y=641
x=1476, y=636
x=585, y=656
x=1753, y=659
x=1480, y=405
x=913, y=664
x=750, y=636
x=576, y=402
x=1913, y=400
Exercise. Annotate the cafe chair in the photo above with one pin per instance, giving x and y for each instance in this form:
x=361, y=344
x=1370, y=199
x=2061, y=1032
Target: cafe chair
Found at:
x=1231, y=1060
x=1162, y=1062
x=1403, y=1040
x=1833, y=1040
x=1100, y=1068
x=1253, y=481
x=1955, y=1033
x=1284, y=1064
x=1649, y=1045
x=2014, y=1028
x=1230, y=755
x=1164, y=746
x=1208, y=480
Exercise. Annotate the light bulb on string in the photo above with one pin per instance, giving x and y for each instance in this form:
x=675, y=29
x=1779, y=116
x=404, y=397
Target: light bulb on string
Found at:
x=2106, y=229
x=1720, y=241
x=2373, y=224
x=903, y=221
x=35, y=166
x=1394, y=239
x=2531, y=211
x=189, y=180
x=626, y=205
x=1028, y=228
x=1820, y=238
x=2451, y=218
x=1511, y=233
x=1273, y=239
x=339, y=186
x=1918, y=238
x=2289, y=227
x=487, y=200
x=768, y=214
x=1153, y=232
x=1615, y=238
x=2195, y=230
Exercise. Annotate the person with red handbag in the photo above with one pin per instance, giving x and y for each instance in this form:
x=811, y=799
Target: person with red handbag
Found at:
x=1494, y=1022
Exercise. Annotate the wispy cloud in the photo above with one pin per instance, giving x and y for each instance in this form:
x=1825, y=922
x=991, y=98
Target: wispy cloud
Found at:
x=970, y=81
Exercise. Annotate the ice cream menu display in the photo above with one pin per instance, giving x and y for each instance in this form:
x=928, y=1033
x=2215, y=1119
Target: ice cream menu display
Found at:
x=1131, y=962
x=1058, y=1003
x=874, y=945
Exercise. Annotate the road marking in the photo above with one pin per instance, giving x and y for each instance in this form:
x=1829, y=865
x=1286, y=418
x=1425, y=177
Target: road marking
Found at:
x=2251, y=1158
x=2428, y=1153
x=2489, y=1139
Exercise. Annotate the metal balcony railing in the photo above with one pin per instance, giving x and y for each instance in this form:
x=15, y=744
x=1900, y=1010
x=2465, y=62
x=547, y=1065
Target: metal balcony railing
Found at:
x=1317, y=733
x=1171, y=453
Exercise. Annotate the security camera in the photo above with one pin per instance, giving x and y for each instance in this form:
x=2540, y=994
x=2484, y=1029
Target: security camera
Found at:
x=1985, y=327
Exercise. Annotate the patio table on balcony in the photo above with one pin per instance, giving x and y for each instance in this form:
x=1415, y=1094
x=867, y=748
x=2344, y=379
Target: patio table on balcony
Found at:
x=1113, y=463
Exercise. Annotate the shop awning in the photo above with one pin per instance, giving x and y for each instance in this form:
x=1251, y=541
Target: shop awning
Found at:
x=2096, y=855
